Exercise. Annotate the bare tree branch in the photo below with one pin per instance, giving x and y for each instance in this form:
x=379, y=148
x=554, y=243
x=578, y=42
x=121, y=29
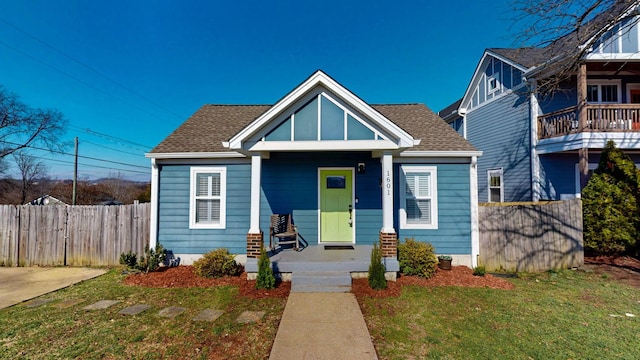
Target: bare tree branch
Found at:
x=565, y=31
x=22, y=126
x=31, y=171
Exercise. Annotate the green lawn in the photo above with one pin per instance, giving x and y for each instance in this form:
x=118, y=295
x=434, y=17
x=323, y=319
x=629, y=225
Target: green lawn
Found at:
x=48, y=332
x=565, y=315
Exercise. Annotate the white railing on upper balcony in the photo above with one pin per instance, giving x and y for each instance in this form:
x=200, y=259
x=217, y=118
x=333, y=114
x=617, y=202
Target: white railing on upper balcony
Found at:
x=600, y=118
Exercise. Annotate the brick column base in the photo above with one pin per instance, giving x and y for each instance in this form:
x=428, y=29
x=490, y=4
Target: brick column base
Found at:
x=254, y=245
x=389, y=244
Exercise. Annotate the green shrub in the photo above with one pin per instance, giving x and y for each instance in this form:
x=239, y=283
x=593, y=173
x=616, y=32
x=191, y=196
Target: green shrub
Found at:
x=479, y=271
x=417, y=258
x=611, y=204
x=377, y=280
x=152, y=258
x=266, y=279
x=130, y=259
x=216, y=263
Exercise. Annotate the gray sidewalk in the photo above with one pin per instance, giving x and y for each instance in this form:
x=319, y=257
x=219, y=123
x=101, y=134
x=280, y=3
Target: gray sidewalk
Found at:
x=18, y=284
x=322, y=326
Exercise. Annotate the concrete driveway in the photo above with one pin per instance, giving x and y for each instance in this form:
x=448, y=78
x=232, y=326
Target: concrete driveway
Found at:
x=18, y=284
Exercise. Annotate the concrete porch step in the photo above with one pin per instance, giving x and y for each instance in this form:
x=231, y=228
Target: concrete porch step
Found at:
x=320, y=281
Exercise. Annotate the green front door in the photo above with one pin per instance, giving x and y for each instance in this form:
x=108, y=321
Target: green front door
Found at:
x=337, y=218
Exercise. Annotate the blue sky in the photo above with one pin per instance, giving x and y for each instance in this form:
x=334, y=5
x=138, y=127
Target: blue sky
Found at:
x=133, y=71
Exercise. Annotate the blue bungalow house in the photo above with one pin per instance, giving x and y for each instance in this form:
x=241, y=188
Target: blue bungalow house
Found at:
x=541, y=146
x=348, y=172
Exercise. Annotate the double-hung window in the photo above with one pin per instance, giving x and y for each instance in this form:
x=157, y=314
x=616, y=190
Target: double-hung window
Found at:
x=496, y=189
x=208, y=198
x=418, y=197
x=603, y=91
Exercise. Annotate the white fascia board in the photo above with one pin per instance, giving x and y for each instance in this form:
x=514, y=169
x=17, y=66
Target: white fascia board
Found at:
x=588, y=140
x=428, y=154
x=325, y=145
x=320, y=78
x=592, y=40
x=480, y=70
x=616, y=56
x=195, y=155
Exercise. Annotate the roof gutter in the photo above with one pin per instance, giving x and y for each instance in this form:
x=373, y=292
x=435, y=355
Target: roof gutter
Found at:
x=195, y=155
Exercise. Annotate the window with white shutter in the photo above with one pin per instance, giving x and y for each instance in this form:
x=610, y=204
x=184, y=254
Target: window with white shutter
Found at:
x=207, y=198
x=418, y=197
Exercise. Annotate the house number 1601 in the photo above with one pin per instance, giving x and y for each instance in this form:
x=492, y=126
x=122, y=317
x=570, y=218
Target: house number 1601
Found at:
x=388, y=183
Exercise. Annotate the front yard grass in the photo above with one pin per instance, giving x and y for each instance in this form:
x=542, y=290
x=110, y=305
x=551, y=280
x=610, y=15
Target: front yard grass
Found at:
x=555, y=315
x=50, y=332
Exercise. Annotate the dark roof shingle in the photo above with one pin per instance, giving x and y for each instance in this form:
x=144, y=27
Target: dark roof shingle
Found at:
x=211, y=125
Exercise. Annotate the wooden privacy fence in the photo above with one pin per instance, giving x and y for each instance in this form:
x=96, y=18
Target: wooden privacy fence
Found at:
x=71, y=235
x=531, y=237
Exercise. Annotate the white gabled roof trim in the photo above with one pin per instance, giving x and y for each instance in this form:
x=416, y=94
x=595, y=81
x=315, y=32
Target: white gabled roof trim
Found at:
x=440, y=153
x=324, y=145
x=320, y=78
x=194, y=155
x=475, y=78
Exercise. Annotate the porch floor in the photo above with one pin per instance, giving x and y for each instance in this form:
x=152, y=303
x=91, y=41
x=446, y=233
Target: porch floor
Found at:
x=316, y=258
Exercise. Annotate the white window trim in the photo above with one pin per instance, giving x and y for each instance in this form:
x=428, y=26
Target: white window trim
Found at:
x=489, y=172
x=599, y=83
x=434, y=196
x=495, y=76
x=631, y=86
x=223, y=197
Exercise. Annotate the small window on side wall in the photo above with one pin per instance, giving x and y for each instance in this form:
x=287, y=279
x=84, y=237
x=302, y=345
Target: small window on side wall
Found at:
x=493, y=83
x=496, y=185
x=207, y=198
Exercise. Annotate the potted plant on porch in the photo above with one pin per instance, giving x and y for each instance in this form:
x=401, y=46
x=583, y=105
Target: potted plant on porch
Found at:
x=444, y=262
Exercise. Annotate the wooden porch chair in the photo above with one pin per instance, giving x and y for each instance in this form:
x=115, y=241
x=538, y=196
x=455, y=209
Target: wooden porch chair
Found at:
x=282, y=231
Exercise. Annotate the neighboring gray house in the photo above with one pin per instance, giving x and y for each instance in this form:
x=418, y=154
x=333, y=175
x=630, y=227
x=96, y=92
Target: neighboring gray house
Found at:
x=532, y=145
x=349, y=172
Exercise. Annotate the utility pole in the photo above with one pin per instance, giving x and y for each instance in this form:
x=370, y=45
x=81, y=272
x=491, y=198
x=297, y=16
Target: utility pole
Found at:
x=75, y=172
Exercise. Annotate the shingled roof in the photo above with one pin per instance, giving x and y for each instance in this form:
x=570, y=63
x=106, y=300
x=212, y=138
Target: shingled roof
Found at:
x=568, y=44
x=211, y=125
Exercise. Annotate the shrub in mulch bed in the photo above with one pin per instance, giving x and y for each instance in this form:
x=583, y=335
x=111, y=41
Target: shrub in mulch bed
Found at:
x=184, y=277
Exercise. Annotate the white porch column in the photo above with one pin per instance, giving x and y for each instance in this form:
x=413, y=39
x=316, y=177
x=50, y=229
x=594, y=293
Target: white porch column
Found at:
x=153, y=230
x=387, y=194
x=475, y=232
x=256, y=170
x=536, y=188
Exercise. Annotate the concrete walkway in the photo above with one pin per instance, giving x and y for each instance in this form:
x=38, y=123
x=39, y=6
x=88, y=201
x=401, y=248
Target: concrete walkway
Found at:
x=322, y=326
x=18, y=284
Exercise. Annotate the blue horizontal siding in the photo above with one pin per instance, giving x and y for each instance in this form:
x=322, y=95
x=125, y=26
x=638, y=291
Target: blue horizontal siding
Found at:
x=501, y=130
x=173, y=212
x=453, y=235
x=290, y=185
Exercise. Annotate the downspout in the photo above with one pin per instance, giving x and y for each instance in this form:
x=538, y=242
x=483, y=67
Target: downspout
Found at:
x=153, y=229
x=475, y=232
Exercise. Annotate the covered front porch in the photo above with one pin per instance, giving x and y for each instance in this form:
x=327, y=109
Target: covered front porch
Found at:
x=323, y=267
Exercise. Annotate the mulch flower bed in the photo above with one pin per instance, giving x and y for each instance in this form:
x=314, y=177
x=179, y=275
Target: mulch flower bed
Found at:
x=184, y=276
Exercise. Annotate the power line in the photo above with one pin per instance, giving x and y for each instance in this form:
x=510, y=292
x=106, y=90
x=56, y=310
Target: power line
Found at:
x=107, y=136
x=90, y=68
x=91, y=165
x=109, y=148
x=84, y=157
x=75, y=78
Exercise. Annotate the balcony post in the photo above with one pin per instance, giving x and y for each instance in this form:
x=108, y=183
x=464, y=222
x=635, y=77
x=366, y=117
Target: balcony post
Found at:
x=583, y=154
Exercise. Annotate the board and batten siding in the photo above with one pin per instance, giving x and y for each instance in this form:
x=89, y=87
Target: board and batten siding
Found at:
x=501, y=130
x=173, y=212
x=453, y=235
